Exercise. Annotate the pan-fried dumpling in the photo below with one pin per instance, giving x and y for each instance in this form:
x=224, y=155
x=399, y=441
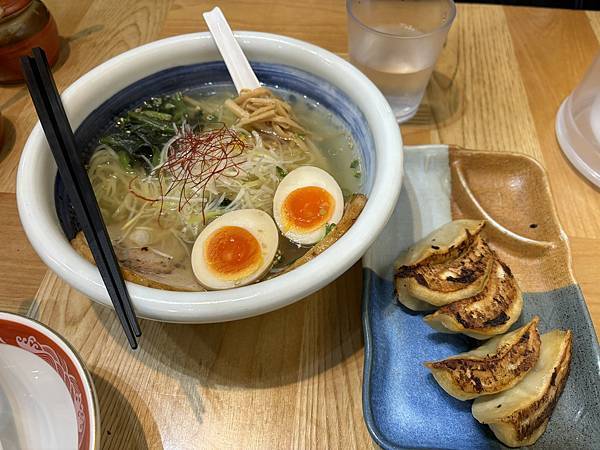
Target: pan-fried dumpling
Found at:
x=450, y=264
x=489, y=313
x=497, y=365
x=519, y=415
x=408, y=300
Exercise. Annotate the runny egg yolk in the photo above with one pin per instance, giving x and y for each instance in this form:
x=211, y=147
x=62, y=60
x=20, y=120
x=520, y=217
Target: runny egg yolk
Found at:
x=232, y=253
x=308, y=208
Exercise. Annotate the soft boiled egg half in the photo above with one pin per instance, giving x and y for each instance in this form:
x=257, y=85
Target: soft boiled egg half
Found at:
x=235, y=249
x=306, y=201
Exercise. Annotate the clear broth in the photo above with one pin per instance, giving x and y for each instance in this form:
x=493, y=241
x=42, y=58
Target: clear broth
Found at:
x=338, y=156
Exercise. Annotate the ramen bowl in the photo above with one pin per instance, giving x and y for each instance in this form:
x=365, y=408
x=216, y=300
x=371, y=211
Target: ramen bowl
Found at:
x=47, y=398
x=178, y=62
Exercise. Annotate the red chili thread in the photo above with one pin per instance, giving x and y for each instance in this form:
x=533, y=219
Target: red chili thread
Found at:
x=193, y=160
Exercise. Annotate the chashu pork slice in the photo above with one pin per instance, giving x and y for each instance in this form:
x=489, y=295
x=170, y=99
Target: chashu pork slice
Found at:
x=489, y=313
x=450, y=264
x=145, y=268
x=494, y=367
x=519, y=416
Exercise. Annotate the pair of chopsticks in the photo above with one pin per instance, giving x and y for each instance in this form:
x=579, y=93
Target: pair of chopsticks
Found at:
x=59, y=134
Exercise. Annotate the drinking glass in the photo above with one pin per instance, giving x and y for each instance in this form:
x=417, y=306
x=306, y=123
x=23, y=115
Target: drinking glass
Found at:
x=578, y=125
x=396, y=44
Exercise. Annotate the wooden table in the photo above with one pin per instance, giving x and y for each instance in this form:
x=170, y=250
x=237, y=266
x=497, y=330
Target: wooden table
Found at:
x=292, y=378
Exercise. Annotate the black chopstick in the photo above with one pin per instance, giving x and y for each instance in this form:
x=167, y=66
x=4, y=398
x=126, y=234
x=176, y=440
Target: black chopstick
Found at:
x=62, y=143
x=82, y=183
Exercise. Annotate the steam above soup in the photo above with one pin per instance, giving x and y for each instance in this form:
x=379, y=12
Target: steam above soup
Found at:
x=206, y=190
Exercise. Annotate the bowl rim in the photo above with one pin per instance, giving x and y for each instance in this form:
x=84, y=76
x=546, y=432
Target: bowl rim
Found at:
x=71, y=353
x=250, y=300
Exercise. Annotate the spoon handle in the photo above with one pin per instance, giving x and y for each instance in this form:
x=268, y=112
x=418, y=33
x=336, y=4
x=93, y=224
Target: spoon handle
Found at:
x=239, y=68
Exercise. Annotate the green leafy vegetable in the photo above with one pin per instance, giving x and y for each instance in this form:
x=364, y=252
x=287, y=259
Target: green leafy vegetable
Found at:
x=328, y=228
x=139, y=135
x=354, y=164
x=124, y=160
x=281, y=172
x=157, y=115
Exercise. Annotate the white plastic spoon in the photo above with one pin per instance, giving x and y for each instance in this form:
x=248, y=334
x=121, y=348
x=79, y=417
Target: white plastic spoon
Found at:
x=239, y=68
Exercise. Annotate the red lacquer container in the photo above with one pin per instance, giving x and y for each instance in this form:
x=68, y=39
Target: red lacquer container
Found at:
x=24, y=24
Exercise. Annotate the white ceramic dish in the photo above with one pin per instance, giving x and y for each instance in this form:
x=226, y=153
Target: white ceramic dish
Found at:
x=37, y=172
x=47, y=397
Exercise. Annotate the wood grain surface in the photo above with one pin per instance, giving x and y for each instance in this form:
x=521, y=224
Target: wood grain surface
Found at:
x=292, y=378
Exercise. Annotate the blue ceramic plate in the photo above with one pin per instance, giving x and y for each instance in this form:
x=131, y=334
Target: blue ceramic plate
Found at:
x=403, y=405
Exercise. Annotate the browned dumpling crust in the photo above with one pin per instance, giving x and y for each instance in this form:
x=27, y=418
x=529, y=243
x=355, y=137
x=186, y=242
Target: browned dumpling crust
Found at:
x=494, y=367
x=489, y=313
x=450, y=264
x=519, y=416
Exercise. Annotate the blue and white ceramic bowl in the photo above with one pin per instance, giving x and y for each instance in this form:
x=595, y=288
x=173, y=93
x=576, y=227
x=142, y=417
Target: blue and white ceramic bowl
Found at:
x=191, y=60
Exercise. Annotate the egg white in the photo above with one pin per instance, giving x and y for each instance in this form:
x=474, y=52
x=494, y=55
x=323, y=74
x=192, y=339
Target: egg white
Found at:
x=305, y=176
x=256, y=222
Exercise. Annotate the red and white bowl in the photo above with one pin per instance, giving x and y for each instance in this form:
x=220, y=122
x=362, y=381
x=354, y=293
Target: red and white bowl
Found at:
x=47, y=397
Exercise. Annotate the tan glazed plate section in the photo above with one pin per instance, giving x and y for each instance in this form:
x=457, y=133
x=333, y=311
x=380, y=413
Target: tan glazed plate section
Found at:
x=512, y=193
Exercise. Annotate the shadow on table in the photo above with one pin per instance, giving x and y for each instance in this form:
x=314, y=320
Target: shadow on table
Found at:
x=66, y=42
x=121, y=426
x=441, y=105
x=9, y=137
x=568, y=163
x=278, y=348
x=444, y=99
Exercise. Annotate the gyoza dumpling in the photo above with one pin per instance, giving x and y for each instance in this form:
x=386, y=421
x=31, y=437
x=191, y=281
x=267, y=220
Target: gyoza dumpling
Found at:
x=488, y=313
x=449, y=264
x=409, y=301
x=519, y=415
x=494, y=367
